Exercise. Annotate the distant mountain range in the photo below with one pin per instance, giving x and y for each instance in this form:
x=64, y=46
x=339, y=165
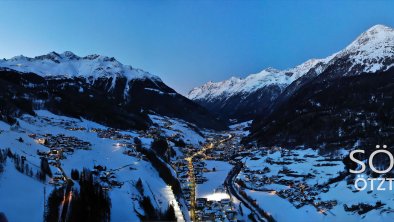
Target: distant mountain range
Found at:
x=345, y=98
x=243, y=99
x=95, y=87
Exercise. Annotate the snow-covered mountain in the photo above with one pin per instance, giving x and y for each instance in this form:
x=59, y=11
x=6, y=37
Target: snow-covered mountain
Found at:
x=68, y=65
x=373, y=50
x=96, y=87
x=344, y=101
x=95, y=116
x=240, y=98
x=251, y=83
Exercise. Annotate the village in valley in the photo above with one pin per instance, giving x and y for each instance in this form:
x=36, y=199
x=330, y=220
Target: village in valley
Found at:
x=220, y=178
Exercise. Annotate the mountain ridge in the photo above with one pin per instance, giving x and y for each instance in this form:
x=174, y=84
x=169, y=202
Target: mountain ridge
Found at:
x=346, y=102
x=370, y=52
x=125, y=93
x=50, y=63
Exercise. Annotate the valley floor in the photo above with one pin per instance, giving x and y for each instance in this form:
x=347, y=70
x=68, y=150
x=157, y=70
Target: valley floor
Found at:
x=221, y=180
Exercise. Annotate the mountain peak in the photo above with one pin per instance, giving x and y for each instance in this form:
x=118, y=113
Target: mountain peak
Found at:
x=70, y=65
x=69, y=55
x=371, y=48
x=375, y=37
x=271, y=70
x=54, y=56
x=375, y=44
x=379, y=28
x=19, y=57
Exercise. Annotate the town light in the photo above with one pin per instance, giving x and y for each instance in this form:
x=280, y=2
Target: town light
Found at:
x=218, y=196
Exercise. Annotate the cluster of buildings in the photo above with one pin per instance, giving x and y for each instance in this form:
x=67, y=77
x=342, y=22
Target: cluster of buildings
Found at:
x=225, y=150
x=182, y=169
x=107, y=178
x=58, y=179
x=229, y=149
x=188, y=150
x=301, y=194
x=191, y=171
x=296, y=191
x=212, y=210
x=76, y=128
x=130, y=150
x=110, y=133
x=59, y=145
x=205, y=210
x=255, y=179
x=198, y=169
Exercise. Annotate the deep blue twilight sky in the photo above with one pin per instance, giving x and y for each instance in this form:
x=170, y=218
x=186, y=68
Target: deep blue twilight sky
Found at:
x=188, y=43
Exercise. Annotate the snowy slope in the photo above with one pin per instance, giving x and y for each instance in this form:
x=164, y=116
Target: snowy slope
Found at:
x=121, y=88
x=16, y=188
x=104, y=151
x=354, y=77
x=172, y=127
x=371, y=48
x=241, y=99
x=305, y=162
x=68, y=64
x=253, y=82
x=370, y=51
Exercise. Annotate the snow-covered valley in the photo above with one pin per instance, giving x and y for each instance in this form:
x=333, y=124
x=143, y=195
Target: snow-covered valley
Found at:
x=268, y=183
x=107, y=150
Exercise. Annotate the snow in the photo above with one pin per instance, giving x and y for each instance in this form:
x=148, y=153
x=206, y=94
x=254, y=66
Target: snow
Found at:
x=215, y=180
x=283, y=210
x=254, y=82
x=104, y=152
x=308, y=165
x=69, y=65
x=371, y=47
x=21, y=197
x=235, y=85
x=369, y=50
x=177, y=127
x=348, y=197
x=170, y=196
x=240, y=128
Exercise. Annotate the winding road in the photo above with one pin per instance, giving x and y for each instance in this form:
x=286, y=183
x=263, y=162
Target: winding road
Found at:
x=229, y=184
